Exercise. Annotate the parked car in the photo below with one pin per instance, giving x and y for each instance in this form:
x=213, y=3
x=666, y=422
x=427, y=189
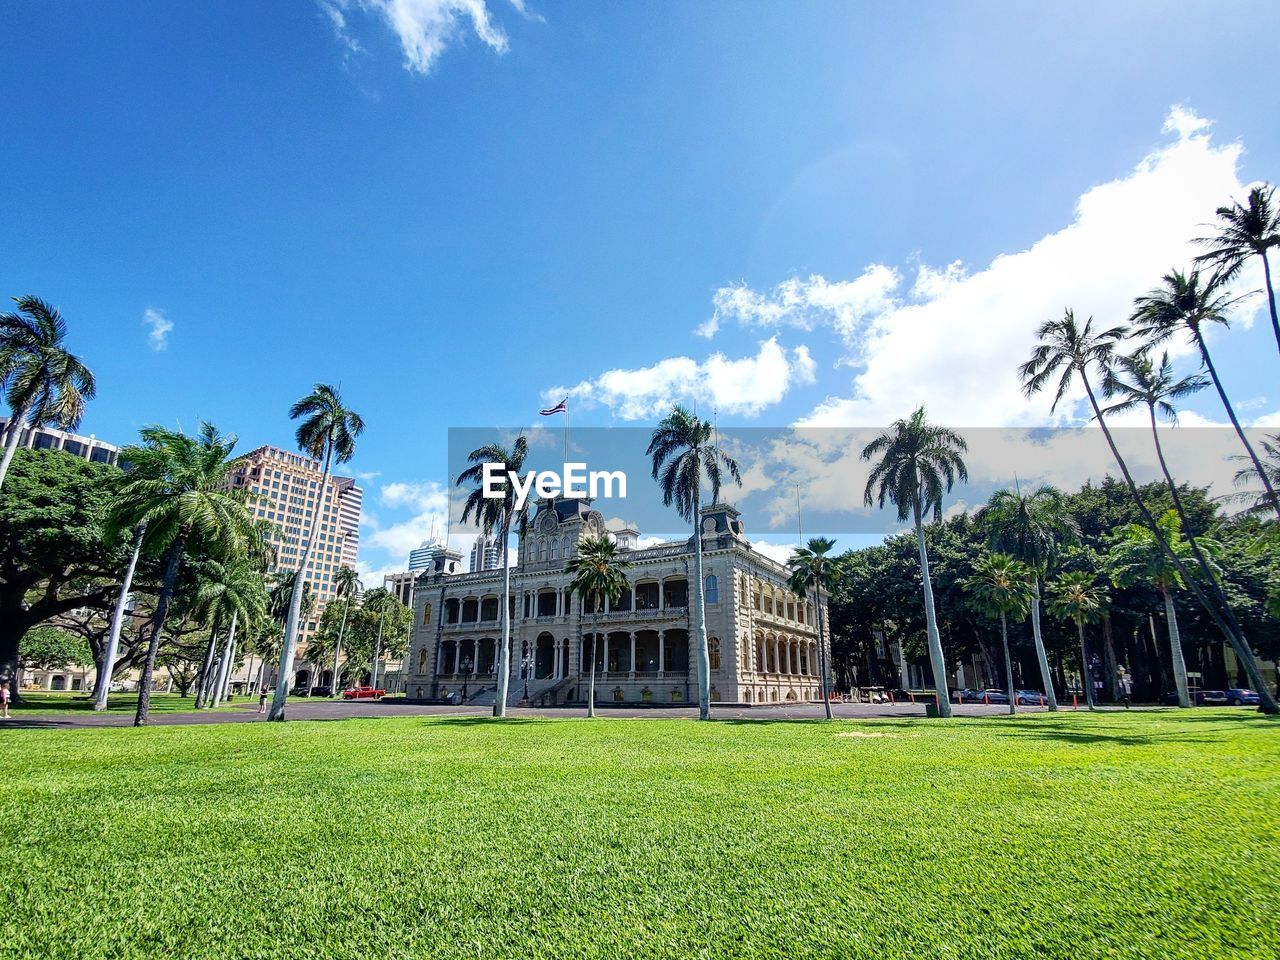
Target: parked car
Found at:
x=1030, y=698
x=1242, y=697
x=1210, y=698
x=993, y=695
x=363, y=693
x=322, y=691
x=967, y=695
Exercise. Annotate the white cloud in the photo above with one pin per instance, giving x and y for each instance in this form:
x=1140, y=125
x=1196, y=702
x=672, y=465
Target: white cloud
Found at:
x=425, y=497
x=955, y=340
x=160, y=325
x=425, y=28
x=777, y=552
x=743, y=386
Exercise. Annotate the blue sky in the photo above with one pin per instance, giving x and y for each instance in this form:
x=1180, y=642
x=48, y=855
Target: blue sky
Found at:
x=456, y=210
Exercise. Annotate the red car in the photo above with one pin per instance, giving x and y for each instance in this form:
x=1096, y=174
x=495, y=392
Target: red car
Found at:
x=363, y=693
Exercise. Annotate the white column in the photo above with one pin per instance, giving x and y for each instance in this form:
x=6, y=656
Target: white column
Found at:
x=633, y=655
x=662, y=652
x=604, y=660
x=662, y=595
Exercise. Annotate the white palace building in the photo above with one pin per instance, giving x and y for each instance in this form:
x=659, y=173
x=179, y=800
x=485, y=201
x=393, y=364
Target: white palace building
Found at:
x=763, y=639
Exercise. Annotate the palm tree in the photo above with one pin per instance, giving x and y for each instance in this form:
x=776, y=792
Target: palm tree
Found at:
x=1067, y=350
x=1074, y=596
x=231, y=595
x=43, y=383
x=1001, y=586
x=683, y=450
x=1184, y=302
x=919, y=463
x=346, y=586
x=1246, y=231
x=1136, y=558
x=327, y=433
x=178, y=488
x=103, y=687
x=1256, y=500
x=812, y=569
x=500, y=514
x=1030, y=528
x=599, y=574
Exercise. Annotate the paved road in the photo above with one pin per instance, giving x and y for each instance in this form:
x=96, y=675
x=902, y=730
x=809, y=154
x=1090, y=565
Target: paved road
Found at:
x=340, y=710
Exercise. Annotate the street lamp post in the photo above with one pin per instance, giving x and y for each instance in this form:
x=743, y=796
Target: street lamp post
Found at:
x=465, y=667
x=526, y=668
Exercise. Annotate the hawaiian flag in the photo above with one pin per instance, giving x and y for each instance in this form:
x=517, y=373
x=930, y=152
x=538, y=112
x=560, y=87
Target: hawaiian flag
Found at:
x=561, y=407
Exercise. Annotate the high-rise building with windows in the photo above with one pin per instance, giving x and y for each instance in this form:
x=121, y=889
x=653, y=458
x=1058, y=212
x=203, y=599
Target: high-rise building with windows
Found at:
x=420, y=557
x=47, y=438
x=284, y=489
x=484, y=554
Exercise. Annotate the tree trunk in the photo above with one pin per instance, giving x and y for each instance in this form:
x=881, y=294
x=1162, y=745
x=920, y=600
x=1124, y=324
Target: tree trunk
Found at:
x=1086, y=676
x=700, y=610
x=591, y=684
x=1235, y=422
x=822, y=651
x=1046, y=676
x=1175, y=649
x=17, y=423
x=203, y=679
x=503, y=666
x=1236, y=638
x=224, y=673
x=377, y=651
x=1008, y=664
x=337, y=649
x=1271, y=297
x=157, y=625
x=936, y=659
x=289, y=650
x=107, y=668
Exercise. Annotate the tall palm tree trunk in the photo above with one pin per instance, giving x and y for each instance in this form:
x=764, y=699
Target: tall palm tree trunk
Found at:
x=1046, y=675
x=204, y=679
x=337, y=648
x=288, y=652
x=1008, y=663
x=103, y=689
x=1175, y=648
x=1086, y=678
x=503, y=666
x=700, y=613
x=591, y=684
x=1235, y=422
x=822, y=656
x=936, y=659
x=224, y=672
x=17, y=423
x=1244, y=654
x=1271, y=297
x=157, y=625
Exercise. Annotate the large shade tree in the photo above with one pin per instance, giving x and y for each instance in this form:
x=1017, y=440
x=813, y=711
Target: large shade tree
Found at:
x=683, y=450
x=1031, y=527
x=43, y=382
x=327, y=433
x=1001, y=586
x=813, y=569
x=599, y=573
x=347, y=586
x=916, y=465
x=498, y=516
x=177, y=486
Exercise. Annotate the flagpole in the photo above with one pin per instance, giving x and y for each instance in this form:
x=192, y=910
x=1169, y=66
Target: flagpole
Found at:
x=566, y=433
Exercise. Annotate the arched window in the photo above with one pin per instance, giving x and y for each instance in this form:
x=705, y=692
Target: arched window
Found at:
x=713, y=589
x=542, y=549
x=422, y=660
x=713, y=653
x=555, y=549
x=426, y=614
x=568, y=546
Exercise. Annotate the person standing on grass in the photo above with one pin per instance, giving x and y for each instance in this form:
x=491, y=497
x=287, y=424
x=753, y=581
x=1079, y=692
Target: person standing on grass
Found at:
x=4, y=698
x=262, y=700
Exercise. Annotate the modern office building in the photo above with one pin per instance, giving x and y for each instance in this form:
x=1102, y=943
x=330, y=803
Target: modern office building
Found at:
x=285, y=489
x=47, y=438
x=762, y=638
x=420, y=558
x=484, y=554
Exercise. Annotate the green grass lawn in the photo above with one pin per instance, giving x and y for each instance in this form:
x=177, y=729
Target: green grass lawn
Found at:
x=1074, y=836
x=50, y=703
